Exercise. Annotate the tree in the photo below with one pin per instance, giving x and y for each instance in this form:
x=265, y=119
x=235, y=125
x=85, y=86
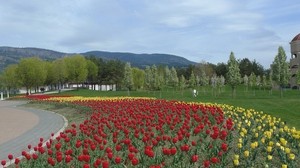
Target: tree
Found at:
x=246, y=82
x=280, y=69
x=245, y=66
x=264, y=82
x=167, y=76
x=60, y=72
x=214, y=83
x=32, y=72
x=10, y=78
x=252, y=82
x=204, y=80
x=156, y=81
x=76, y=69
x=50, y=75
x=148, y=77
x=258, y=81
x=92, y=74
x=138, y=76
x=221, y=69
x=221, y=83
x=128, y=77
x=192, y=80
x=182, y=83
x=233, y=75
x=174, y=78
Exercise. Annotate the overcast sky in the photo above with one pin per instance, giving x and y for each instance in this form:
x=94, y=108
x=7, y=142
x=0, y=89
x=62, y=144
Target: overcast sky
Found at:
x=199, y=30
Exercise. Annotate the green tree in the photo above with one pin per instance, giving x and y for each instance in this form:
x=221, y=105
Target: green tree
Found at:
x=252, y=82
x=92, y=75
x=138, y=76
x=214, y=83
x=233, y=75
x=167, y=76
x=32, y=72
x=204, y=81
x=246, y=82
x=182, y=83
x=174, y=78
x=280, y=69
x=50, y=75
x=155, y=82
x=192, y=80
x=221, y=83
x=76, y=69
x=10, y=78
x=264, y=82
x=148, y=76
x=128, y=77
x=60, y=72
x=258, y=81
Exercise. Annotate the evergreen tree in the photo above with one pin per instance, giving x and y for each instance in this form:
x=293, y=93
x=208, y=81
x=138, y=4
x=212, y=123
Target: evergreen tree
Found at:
x=128, y=77
x=233, y=74
x=280, y=69
x=148, y=76
x=174, y=77
x=246, y=82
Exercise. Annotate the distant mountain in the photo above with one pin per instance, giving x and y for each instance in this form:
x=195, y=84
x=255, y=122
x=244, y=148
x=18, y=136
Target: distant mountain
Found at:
x=12, y=55
x=142, y=60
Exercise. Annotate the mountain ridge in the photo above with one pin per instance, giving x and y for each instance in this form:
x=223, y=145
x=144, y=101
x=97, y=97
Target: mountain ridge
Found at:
x=12, y=55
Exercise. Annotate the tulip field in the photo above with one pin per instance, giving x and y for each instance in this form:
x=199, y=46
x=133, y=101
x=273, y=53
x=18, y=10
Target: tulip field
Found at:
x=125, y=132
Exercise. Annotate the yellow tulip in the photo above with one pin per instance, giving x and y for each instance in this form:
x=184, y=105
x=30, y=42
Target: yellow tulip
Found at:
x=236, y=162
x=246, y=153
x=236, y=157
x=287, y=150
x=270, y=157
x=283, y=166
x=292, y=156
x=269, y=149
x=271, y=143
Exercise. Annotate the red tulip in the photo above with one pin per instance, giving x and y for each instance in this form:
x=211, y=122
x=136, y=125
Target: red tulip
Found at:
x=10, y=156
x=135, y=161
x=118, y=160
x=3, y=163
x=34, y=156
x=68, y=159
x=105, y=164
x=195, y=158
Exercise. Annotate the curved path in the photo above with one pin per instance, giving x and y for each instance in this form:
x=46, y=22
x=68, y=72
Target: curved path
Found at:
x=20, y=126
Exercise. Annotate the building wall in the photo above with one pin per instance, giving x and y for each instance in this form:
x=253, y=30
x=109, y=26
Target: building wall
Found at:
x=294, y=62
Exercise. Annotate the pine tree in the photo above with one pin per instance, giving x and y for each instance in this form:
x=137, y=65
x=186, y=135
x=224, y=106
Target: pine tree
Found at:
x=233, y=74
x=280, y=68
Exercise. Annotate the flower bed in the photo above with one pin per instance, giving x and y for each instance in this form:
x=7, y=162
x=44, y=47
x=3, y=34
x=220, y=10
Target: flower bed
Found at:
x=146, y=132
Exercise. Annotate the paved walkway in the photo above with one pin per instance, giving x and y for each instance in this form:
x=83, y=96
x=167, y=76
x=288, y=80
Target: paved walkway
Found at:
x=20, y=126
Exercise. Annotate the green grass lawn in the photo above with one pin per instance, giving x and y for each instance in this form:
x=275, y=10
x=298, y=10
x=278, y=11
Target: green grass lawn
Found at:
x=287, y=107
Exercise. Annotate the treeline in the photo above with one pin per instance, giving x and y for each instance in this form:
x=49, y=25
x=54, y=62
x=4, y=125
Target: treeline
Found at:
x=33, y=73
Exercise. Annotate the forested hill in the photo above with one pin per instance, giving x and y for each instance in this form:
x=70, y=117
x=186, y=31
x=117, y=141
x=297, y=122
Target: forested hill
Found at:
x=12, y=55
x=142, y=60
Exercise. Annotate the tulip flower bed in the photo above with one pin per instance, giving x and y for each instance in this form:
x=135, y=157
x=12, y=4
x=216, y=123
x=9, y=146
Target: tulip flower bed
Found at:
x=145, y=132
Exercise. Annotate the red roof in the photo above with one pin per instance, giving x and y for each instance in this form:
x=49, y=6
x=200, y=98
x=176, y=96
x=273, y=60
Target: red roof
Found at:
x=296, y=38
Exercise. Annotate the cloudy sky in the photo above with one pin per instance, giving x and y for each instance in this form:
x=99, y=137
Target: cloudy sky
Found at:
x=198, y=30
